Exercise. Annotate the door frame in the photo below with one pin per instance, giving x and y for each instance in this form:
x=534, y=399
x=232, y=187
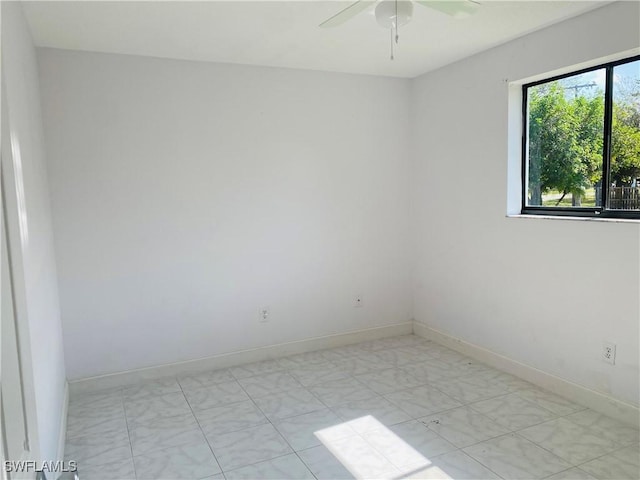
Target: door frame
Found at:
x=13, y=208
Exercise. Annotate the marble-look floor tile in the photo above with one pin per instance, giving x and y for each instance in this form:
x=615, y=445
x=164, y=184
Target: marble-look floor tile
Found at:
x=323, y=464
x=512, y=411
x=340, y=353
x=299, y=431
x=95, y=413
x=463, y=426
x=151, y=388
x=418, y=351
x=622, y=464
x=375, y=345
x=572, y=474
x=429, y=372
x=215, y=395
x=287, y=467
x=78, y=425
x=362, y=459
x=388, y=381
x=504, y=380
x=421, y=401
x=96, y=405
x=249, y=446
x=302, y=359
x=288, y=404
x=418, y=357
x=420, y=348
x=122, y=470
x=359, y=365
x=188, y=462
x=399, y=357
x=419, y=380
x=606, y=426
x=454, y=465
x=150, y=435
x=431, y=346
x=514, y=457
x=468, y=389
x=269, y=383
x=374, y=359
x=100, y=448
x=512, y=384
x=346, y=351
x=205, y=379
x=394, y=342
x=379, y=409
x=409, y=340
x=570, y=441
x=460, y=370
x=161, y=406
x=341, y=391
x=415, y=434
x=403, y=456
x=96, y=398
x=310, y=375
x=448, y=356
x=257, y=368
x=230, y=418
x=478, y=370
x=558, y=405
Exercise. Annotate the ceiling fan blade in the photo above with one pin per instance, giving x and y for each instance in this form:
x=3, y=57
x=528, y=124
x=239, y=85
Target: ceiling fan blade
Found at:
x=348, y=13
x=455, y=8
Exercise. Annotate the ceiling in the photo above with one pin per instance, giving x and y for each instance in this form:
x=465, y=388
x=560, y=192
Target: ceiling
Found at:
x=286, y=33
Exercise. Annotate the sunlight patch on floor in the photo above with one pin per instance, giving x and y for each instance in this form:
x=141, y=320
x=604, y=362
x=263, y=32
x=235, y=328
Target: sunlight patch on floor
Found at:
x=368, y=449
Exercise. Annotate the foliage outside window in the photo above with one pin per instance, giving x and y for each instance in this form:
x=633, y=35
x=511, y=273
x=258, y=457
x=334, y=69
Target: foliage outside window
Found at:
x=581, y=148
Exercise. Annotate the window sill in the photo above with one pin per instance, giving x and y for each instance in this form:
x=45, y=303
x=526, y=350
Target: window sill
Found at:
x=581, y=219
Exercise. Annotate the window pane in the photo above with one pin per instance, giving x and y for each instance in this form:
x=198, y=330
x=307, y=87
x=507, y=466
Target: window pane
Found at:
x=565, y=141
x=624, y=192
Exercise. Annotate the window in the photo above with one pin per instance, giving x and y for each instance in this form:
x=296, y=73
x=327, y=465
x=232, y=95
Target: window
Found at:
x=581, y=143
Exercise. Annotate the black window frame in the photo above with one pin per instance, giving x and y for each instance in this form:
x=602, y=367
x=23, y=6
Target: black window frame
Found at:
x=594, y=212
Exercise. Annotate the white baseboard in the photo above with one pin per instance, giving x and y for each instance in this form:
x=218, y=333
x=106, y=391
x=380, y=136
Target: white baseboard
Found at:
x=62, y=430
x=572, y=391
x=237, y=358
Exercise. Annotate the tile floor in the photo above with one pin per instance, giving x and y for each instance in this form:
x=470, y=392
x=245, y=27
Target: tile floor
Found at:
x=400, y=407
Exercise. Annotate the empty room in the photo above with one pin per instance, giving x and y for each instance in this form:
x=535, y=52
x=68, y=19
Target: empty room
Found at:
x=320, y=239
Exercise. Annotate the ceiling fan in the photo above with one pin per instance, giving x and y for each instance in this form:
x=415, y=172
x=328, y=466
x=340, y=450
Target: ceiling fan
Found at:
x=394, y=13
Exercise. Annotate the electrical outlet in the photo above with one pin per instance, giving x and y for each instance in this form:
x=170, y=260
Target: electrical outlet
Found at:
x=609, y=352
x=357, y=301
x=263, y=314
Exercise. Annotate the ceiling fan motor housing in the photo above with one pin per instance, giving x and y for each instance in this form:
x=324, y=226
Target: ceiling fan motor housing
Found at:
x=387, y=9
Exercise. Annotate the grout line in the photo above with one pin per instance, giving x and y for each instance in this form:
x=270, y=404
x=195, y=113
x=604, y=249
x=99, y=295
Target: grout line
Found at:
x=478, y=460
x=517, y=432
x=199, y=426
x=126, y=421
x=285, y=438
x=606, y=454
x=562, y=471
x=258, y=462
x=278, y=431
x=545, y=449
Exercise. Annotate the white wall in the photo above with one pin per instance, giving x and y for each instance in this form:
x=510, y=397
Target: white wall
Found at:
x=19, y=71
x=188, y=195
x=543, y=292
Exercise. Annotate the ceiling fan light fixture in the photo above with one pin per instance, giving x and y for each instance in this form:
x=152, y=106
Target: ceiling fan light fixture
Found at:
x=386, y=13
